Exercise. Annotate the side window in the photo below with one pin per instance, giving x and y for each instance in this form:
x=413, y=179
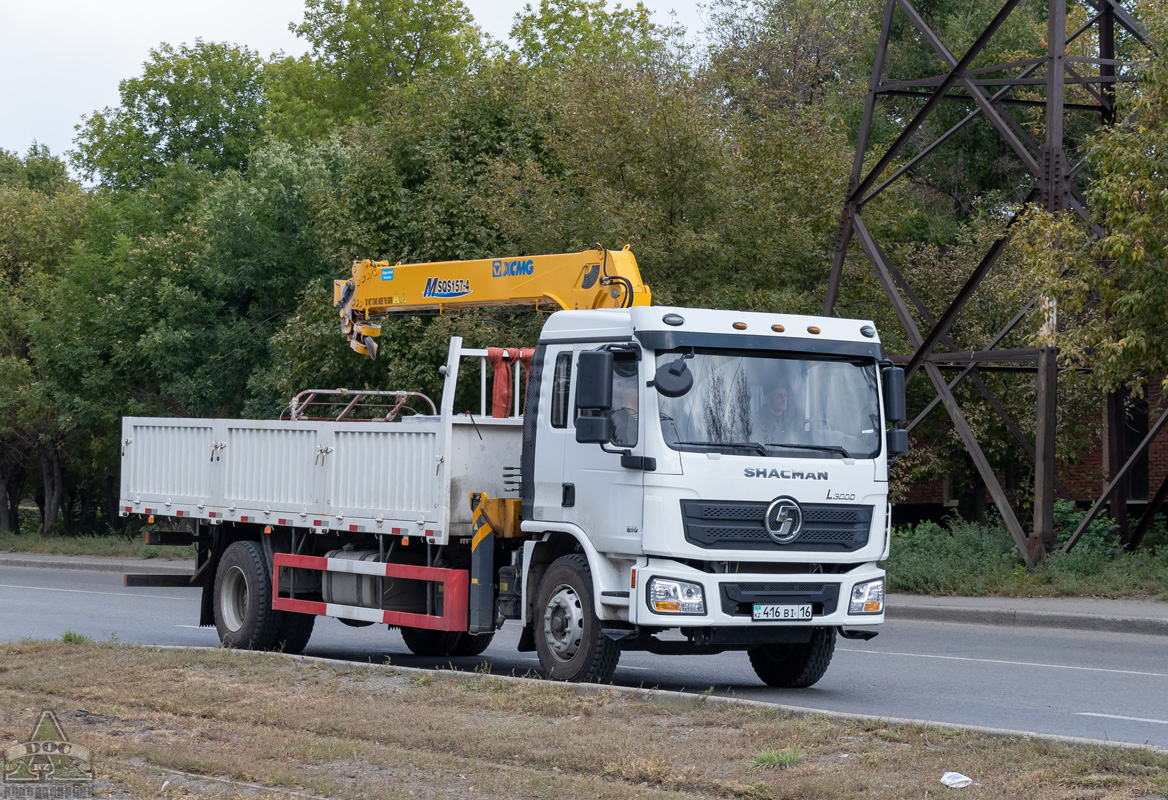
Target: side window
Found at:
x=624, y=402
x=561, y=379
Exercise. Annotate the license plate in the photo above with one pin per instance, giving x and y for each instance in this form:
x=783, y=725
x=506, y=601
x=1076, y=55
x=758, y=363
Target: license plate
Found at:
x=762, y=611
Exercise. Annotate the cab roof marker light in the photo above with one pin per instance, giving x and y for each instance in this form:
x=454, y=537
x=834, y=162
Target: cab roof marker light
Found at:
x=868, y=331
x=778, y=328
x=739, y=326
x=812, y=329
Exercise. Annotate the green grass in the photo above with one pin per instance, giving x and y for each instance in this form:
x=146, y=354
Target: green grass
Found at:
x=963, y=558
x=111, y=544
x=71, y=637
x=777, y=758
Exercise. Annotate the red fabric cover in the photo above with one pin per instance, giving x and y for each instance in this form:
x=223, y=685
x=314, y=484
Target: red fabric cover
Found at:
x=501, y=360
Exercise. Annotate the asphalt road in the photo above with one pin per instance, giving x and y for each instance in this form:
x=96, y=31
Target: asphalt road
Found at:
x=1106, y=686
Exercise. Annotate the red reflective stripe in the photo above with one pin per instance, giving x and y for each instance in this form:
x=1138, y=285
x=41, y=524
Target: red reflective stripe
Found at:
x=178, y=513
x=243, y=519
x=282, y=522
x=396, y=531
x=211, y=514
x=128, y=509
x=316, y=522
x=455, y=589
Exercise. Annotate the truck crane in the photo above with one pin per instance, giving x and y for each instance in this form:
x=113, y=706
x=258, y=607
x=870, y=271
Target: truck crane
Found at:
x=675, y=480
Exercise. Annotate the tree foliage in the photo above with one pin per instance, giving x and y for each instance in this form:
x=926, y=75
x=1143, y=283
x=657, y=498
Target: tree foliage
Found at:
x=195, y=277
x=201, y=105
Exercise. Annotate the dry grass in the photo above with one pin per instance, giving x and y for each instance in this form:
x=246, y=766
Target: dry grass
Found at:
x=356, y=732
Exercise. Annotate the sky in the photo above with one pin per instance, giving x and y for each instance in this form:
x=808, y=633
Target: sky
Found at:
x=62, y=59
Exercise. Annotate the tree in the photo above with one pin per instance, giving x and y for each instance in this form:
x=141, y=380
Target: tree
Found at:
x=39, y=170
x=363, y=48
x=783, y=53
x=201, y=105
x=1112, y=292
x=42, y=214
x=576, y=31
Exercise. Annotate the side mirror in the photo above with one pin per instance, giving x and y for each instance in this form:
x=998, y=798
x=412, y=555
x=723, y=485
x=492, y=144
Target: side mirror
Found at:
x=895, y=407
x=673, y=379
x=594, y=430
x=594, y=381
x=897, y=442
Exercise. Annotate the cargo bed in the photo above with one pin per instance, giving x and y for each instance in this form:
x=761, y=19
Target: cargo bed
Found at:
x=407, y=478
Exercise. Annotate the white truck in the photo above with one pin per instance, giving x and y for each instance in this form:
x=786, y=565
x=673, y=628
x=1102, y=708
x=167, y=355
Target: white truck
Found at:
x=718, y=474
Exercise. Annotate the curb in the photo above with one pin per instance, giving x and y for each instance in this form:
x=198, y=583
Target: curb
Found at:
x=1031, y=619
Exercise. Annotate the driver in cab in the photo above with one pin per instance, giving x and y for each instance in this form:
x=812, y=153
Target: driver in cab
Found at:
x=775, y=417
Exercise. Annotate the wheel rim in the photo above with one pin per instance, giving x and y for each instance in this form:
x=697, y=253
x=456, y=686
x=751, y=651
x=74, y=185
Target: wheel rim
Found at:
x=233, y=598
x=563, y=623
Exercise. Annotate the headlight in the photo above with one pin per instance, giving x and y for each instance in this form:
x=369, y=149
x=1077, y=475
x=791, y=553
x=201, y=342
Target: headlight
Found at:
x=867, y=598
x=676, y=597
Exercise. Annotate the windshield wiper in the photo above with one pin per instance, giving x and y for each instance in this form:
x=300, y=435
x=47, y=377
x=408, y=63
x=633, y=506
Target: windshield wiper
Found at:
x=755, y=446
x=827, y=448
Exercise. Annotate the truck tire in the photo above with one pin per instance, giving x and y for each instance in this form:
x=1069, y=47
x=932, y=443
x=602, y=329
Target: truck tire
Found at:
x=243, y=598
x=794, y=666
x=469, y=645
x=293, y=631
x=425, y=642
x=567, y=632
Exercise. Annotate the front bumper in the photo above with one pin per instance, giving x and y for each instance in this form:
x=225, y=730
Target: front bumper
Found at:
x=729, y=598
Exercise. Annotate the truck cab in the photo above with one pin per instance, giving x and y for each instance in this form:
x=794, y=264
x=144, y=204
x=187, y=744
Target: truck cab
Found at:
x=725, y=474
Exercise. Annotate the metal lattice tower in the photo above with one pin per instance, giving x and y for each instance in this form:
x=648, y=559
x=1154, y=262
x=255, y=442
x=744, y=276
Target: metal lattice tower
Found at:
x=1053, y=188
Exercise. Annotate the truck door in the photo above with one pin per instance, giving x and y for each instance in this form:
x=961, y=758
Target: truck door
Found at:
x=552, y=432
x=608, y=498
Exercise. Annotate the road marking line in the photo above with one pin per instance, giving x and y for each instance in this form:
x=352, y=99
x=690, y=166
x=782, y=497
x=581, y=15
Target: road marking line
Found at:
x=1011, y=663
x=84, y=591
x=1117, y=716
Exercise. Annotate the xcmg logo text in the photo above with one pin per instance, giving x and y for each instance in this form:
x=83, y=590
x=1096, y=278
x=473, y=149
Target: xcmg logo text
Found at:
x=506, y=269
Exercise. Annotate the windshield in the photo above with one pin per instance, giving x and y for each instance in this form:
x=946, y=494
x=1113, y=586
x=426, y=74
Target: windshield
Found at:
x=771, y=404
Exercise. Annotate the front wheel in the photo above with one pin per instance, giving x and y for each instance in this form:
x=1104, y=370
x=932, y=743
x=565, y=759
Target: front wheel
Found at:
x=568, y=639
x=794, y=666
x=244, y=616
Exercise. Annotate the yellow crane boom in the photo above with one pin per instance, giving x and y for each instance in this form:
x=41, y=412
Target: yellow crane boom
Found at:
x=598, y=278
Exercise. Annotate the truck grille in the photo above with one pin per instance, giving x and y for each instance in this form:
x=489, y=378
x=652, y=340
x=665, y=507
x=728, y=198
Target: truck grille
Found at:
x=739, y=525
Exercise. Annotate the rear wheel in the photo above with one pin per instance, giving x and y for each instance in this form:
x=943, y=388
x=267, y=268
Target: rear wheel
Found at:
x=472, y=645
x=794, y=666
x=425, y=642
x=244, y=616
x=567, y=632
x=293, y=632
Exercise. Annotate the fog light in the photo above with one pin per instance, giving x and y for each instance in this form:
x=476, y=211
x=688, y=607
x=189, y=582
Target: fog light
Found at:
x=676, y=597
x=867, y=598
